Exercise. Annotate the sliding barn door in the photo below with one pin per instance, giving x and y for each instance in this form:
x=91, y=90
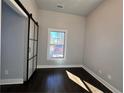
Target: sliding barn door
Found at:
x=32, y=48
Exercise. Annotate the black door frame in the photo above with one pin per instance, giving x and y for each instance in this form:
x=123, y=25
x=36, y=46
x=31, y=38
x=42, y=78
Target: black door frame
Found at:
x=28, y=36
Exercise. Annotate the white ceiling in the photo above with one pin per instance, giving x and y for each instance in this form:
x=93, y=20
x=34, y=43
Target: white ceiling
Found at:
x=77, y=7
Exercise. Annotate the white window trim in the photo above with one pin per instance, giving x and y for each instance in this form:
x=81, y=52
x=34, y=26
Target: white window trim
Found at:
x=48, y=42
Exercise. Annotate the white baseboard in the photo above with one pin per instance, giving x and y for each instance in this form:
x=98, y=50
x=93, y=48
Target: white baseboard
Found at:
x=11, y=81
x=20, y=81
x=58, y=66
x=113, y=89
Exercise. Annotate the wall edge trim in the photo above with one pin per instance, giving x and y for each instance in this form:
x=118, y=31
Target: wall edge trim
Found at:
x=11, y=81
x=58, y=66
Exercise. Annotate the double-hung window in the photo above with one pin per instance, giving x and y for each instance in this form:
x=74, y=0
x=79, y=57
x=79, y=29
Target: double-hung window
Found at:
x=56, y=44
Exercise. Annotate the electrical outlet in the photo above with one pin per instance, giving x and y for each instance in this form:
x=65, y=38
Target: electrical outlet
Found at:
x=6, y=72
x=109, y=77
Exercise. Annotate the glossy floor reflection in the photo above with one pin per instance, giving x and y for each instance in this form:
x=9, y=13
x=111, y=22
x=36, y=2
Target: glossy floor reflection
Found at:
x=57, y=81
x=54, y=82
x=83, y=83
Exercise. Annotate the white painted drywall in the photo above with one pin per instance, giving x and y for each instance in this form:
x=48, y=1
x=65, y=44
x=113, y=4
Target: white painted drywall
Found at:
x=75, y=36
x=13, y=37
x=104, y=32
x=76, y=7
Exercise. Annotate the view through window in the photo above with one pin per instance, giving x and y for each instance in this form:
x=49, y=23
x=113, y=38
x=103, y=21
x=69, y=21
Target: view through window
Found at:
x=56, y=45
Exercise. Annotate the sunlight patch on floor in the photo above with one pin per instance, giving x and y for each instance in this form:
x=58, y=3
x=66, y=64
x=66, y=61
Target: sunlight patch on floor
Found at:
x=92, y=88
x=78, y=81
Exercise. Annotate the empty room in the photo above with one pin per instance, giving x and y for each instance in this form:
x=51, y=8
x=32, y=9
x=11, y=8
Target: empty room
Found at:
x=61, y=46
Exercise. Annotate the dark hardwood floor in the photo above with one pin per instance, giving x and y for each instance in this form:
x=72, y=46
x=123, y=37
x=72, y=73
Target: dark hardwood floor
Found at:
x=55, y=80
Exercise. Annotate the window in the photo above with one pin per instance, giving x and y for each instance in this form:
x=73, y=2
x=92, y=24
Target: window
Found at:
x=56, y=44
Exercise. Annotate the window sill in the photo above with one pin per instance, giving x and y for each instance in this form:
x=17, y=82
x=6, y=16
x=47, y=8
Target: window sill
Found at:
x=54, y=59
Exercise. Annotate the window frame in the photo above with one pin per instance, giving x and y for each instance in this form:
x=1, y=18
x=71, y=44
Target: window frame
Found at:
x=48, y=43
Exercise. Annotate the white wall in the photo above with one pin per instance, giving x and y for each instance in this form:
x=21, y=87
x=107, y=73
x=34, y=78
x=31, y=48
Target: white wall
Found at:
x=104, y=32
x=13, y=32
x=31, y=6
x=75, y=37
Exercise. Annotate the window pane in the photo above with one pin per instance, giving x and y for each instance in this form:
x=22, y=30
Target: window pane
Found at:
x=57, y=38
x=56, y=45
x=53, y=37
x=56, y=51
x=60, y=41
x=61, y=35
x=31, y=44
x=52, y=47
x=31, y=29
x=53, y=41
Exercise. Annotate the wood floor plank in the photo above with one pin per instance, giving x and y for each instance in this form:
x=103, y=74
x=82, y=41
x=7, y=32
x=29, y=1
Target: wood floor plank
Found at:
x=55, y=80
